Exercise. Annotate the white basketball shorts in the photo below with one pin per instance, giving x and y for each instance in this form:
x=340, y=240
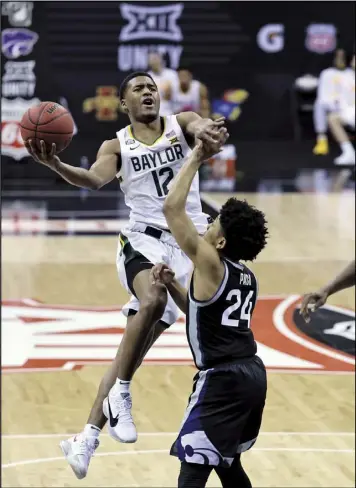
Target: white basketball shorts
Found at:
x=163, y=250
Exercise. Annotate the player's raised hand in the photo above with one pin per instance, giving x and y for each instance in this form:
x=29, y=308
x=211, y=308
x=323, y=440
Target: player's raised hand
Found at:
x=161, y=273
x=205, y=150
x=311, y=302
x=43, y=156
x=209, y=130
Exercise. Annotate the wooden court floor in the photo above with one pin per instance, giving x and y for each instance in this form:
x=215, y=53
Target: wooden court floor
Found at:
x=307, y=437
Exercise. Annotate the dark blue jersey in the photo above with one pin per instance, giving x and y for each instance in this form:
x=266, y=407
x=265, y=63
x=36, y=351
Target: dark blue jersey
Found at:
x=218, y=330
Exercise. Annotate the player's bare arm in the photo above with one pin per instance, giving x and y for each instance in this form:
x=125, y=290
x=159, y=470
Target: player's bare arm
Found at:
x=100, y=173
x=206, y=130
x=312, y=301
x=204, y=101
x=206, y=259
x=161, y=273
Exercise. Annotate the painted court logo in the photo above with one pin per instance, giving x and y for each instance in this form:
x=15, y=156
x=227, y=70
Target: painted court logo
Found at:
x=37, y=336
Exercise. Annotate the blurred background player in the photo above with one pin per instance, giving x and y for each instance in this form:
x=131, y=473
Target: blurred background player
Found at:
x=328, y=92
x=164, y=78
x=345, y=115
x=189, y=94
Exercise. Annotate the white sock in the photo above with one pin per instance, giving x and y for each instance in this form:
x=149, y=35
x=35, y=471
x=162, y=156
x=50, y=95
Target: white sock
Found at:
x=322, y=137
x=91, y=430
x=122, y=386
x=347, y=147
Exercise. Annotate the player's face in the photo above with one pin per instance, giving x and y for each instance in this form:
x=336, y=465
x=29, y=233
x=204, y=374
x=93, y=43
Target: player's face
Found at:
x=142, y=99
x=340, y=59
x=185, y=78
x=214, y=234
x=155, y=62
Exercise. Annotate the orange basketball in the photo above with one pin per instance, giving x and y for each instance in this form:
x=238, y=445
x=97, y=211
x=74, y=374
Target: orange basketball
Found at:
x=49, y=122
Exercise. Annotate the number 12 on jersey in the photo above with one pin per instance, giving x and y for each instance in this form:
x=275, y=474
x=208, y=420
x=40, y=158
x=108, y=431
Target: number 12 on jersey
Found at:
x=244, y=313
x=162, y=179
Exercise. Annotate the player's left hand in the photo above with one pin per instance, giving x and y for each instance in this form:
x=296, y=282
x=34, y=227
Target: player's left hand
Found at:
x=205, y=150
x=161, y=273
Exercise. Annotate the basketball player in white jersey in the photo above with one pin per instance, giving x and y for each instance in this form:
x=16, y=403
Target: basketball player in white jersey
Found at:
x=164, y=78
x=327, y=100
x=345, y=116
x=189, y=94
x=145, y=157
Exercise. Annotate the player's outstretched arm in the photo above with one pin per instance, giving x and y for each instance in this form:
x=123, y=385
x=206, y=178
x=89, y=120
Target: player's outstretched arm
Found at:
x=312, y=301
x=204, y=256
x=101, y=172
x=206, y=130
x=161, y=273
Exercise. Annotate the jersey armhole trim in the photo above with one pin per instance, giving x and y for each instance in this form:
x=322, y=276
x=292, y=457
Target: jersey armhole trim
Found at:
x=182, y=131
x=202, y=303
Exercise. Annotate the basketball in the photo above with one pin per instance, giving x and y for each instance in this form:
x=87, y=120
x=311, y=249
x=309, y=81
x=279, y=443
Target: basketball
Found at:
x=49, y=122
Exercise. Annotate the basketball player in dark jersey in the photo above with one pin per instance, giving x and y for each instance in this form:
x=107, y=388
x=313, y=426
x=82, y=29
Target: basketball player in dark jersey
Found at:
x=225, y=409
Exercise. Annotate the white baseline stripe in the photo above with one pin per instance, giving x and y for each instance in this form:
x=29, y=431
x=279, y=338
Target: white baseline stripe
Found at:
x=163, y=434
x=279, y=323
x=165, y=451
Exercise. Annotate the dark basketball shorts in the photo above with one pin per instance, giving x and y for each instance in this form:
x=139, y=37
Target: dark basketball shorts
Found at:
x=224, y=413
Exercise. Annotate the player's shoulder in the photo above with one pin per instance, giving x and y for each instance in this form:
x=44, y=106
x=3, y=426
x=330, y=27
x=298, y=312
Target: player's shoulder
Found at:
x=111, y=146
x=327, y=71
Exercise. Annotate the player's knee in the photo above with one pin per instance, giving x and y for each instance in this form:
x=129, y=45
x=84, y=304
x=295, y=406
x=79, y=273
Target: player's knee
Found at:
x=154, y=303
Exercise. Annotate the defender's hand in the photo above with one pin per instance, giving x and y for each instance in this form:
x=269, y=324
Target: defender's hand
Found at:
x=311, y=302
x=48, y=158
x=209, y=130
x=161, y=273
x=204, y=150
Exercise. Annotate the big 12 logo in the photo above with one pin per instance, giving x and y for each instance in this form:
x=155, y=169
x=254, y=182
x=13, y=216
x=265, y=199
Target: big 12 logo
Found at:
x=11, y=113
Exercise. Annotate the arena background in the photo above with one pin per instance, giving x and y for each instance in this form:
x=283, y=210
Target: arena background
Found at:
x=61, y=298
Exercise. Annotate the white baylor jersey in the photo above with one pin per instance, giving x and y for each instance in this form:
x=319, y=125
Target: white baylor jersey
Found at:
x=147, y=171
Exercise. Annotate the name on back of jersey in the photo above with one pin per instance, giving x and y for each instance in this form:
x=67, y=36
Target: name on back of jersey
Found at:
x=153, y=160
x=245, y=279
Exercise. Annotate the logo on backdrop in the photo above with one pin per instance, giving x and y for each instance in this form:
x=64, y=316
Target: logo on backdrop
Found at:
x=229, y=106
x=321, y=38
x=106, y=104
x=18, y=42
x=270, y=38
x=19, y=79
x=19, y=13
x=11, y=113
x=149, y=24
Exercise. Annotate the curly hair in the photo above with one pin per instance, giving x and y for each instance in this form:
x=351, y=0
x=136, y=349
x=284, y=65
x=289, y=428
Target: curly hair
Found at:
x=130, y=77
x=244, y=228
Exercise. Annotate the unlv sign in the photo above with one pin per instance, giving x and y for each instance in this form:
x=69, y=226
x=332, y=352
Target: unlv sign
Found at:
x=146, y=25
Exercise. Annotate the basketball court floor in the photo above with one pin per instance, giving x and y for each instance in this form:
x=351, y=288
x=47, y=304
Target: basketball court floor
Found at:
x=61, y=324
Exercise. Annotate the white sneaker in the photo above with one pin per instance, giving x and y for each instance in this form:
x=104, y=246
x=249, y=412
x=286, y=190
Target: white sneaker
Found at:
x=346, y=158
x=117, y=409
x=78, y=451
